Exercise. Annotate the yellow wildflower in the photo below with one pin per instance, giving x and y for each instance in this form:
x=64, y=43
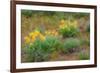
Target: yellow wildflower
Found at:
x=62, y=22
x=27, y=39
x=51, y=32
x=42, y=37
x=33, y=38
x=31, y=34
x=48, y=32
x=36, y=32
x=56, y=33
x=63, y=26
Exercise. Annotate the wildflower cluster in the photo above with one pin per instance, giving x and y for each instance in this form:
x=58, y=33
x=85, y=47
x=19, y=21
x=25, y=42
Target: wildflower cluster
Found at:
x=51, y=32
x=68, y=28
x=33, y=36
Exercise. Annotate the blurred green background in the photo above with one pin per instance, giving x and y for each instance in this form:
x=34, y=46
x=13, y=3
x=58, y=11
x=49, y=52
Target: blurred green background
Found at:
x=77, y=39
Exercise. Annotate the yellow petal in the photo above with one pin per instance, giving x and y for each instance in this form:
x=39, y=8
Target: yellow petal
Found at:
x=31, y=34
x=33, y=38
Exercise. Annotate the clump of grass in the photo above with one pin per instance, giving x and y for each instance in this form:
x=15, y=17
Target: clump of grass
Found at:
x=41, y=50
x=37, y=52
x=68, y=29
x=71, y=45
x=84, y=56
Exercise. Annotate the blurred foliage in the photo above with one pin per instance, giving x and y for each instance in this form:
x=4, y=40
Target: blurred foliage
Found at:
x=36, y=52
x=52, y=43
x=68, y=29
x=70, y=45
x=27, y=13
x=46, y=34
x=84, y=56
x=85, y=42
x=42, y=50
x=88, y=28
x=61, y=15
